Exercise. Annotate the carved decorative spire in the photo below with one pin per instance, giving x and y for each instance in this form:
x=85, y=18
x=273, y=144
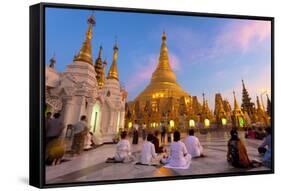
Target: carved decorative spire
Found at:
x=85, y=53
x=113, y=71
x=52, y=62
x=236, y=106
x=99, y=68
x=259, y=107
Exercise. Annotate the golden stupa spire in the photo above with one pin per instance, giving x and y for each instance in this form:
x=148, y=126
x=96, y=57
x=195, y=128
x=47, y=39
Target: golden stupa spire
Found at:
x=236, y=106
x=113, y=71
x=259, y=107
x=164, y=72
x=99, y=68
x=163, y=81
x=85, y=53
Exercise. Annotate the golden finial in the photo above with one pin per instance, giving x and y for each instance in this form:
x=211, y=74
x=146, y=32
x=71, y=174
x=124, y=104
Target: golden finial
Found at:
x=164, y=37
x=85, y=53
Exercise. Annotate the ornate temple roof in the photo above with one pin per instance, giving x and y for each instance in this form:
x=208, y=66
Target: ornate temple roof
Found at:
x=163, y=81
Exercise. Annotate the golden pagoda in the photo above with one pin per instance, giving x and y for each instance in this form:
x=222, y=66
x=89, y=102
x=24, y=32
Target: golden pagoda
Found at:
x=113, y=71
x=162, y=100
x=85, y=53
x=163, y=81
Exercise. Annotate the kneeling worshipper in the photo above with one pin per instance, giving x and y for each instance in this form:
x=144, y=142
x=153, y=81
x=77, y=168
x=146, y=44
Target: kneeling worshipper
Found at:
x=123, y=151
x=179, y=158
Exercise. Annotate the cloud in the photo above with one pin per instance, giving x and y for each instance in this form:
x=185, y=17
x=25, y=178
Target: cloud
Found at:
x=242, y=35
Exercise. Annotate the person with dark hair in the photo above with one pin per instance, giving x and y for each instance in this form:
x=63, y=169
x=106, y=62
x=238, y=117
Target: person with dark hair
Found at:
x=237, y=154
x=265, y=148
x=135, y=133
x=123, y=150
x=80, y=130
x=148, y=151
x=193, y=145
x=54, y=129
x=155, y=141
x=179, y=157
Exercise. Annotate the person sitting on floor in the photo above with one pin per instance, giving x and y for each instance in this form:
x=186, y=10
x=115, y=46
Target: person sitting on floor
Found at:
x=179, y=157
x=148, y=151
x=237, y=153
x=123, y=150
x=265, y=148
x=193, y=145
x=156, y=143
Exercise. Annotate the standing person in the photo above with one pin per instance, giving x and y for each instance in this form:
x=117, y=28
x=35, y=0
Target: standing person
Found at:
x=80, y=130
x=237, y=154
x=135, y=133
x=193, y=145
x=169, y=133
x=148, y=151
x=155, y=141
x=179, y=157
x=143, y=131
x=123, y=150
x=265, y=148
x=163, y=132
x=55, y=128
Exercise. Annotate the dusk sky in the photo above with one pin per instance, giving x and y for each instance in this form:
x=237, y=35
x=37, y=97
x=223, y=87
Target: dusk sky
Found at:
x=207, y=54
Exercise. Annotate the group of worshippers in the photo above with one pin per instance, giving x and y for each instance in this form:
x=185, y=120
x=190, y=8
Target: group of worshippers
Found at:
x=55, y=139
x=181, y=152
x=179, y=156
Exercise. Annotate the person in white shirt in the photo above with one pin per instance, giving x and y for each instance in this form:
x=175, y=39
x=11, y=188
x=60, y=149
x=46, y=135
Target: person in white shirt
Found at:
x=148, y=151
x=123, y=150
x=179, y=157
x=193, y=145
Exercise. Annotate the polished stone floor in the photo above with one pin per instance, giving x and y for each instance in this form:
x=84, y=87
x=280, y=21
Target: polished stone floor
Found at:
x=91, y=166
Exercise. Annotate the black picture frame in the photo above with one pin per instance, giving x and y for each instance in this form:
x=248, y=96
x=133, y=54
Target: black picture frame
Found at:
x=37, y=92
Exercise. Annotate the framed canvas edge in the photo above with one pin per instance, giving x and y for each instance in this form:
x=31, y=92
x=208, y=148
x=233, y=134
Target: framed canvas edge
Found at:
x=38, y=88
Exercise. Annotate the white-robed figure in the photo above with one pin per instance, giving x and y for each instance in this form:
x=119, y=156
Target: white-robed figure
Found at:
x=148, y=151
x=179, y=157
x=193, y=145
x=123, y=150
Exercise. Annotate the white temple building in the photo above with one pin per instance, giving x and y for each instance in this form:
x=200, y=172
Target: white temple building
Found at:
x=82, y=89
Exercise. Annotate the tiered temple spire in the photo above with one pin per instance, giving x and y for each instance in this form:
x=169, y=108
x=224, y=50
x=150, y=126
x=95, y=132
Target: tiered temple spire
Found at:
x=113, y=71
x=85, y=53
x=247, y=105
x=99, y=68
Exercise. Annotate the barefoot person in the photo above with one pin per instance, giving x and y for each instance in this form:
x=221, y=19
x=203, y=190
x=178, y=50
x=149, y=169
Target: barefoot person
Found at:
x=148, y=151
x=179, y=157
x=193, y=145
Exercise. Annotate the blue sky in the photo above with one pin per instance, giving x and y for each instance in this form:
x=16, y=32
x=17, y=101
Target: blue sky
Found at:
x=207, y=54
